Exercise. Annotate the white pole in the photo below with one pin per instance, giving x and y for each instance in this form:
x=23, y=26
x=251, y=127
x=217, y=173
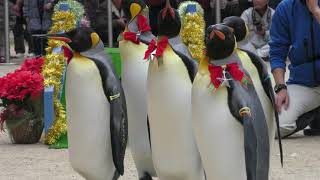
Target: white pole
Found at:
x=218, y=11
x=110, y=38
x=6, y=31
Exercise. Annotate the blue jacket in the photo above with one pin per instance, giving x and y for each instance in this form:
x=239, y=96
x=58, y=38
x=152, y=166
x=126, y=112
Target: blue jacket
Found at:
x=293, y=31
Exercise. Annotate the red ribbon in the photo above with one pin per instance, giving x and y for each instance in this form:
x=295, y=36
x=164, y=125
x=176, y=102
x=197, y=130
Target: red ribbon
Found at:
x=67, y=53
x=216, y=73
x=143, y=26
x=159, y=46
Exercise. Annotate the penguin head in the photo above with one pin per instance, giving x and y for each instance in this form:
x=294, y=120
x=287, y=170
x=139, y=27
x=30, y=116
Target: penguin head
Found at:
x=80, y=39
x=169, y=22
x=220, y=42
x=132, y=8
x=238, y=25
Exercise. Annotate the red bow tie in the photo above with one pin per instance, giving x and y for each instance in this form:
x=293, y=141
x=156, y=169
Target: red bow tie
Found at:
x=159, y=46
x=217, y=76
x=143, y=26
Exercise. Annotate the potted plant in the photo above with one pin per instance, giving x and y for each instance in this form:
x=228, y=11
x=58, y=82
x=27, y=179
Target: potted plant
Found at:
x=21, y=96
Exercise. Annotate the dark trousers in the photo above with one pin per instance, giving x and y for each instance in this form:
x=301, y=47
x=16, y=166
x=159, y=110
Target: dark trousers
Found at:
x=231, y=10
x=39, y=43
x=20, y=34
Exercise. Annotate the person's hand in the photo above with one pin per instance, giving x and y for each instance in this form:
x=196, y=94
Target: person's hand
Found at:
x=48, y=6
x=282, y=99
x=313, y=6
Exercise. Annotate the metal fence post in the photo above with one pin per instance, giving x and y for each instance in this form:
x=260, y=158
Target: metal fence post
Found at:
x=218, y=11
x=110, y=38
x=6, y=31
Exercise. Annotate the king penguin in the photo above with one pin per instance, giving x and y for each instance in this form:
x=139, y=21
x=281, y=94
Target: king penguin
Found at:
x=96, y=108
x=241, y=32
x=228, y=119
x=259, y=73
x=170, y=75
x=133, y=43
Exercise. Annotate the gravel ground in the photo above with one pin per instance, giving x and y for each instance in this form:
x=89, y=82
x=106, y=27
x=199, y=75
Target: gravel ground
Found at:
x=37, y=162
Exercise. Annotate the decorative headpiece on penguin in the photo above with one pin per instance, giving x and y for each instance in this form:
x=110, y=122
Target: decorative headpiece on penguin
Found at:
x=241, y=30
x=193, y=27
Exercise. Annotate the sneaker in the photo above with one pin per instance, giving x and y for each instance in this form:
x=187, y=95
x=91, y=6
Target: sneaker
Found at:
x=30, y=55
x=2, y=59
x=20, y=55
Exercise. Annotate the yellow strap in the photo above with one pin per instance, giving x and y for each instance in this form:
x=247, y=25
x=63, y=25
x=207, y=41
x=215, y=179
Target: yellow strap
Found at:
x=245, y=111
x=114, y=97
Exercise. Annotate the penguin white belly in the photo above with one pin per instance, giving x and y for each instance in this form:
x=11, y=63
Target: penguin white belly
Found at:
x=174, y=150
x=88, y=115
x=134, y=83
x=219, y=135
x=264, y=99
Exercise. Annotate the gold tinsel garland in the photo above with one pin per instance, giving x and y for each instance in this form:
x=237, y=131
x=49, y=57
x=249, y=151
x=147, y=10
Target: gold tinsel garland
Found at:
x=53, y=72
x=192, y=34
x=63, y=21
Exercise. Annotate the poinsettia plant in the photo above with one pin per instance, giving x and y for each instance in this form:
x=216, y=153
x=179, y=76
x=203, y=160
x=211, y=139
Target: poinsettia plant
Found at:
x=34, y=65
x=20, y=87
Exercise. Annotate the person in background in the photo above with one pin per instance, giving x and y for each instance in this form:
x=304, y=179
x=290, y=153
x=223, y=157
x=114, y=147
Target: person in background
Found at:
x=232, y=9
x=20, y=32
x=258, y=19
x=294, y=35
x=274, y=3
x=209, y=12
x=2, y=27
x=118, y=20
x=38, y=16
x=97, y=14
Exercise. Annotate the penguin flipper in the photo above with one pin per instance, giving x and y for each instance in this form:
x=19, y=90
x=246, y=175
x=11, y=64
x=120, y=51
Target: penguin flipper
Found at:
x=182, y=51
x=118, y=111
x=267, y=86
x=245, y=106
x=250, y=141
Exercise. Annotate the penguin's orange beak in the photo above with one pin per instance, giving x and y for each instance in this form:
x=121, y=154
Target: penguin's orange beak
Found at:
x=220, y=35
x=64, y=39
x=60, y=37
x=166, y=9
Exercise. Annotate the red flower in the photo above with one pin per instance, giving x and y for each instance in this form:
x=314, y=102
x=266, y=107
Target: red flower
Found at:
x=34, y=65
x=21, y=85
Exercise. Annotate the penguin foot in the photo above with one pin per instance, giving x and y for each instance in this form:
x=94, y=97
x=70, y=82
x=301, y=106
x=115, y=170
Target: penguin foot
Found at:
x=116, y=175
x=146, y=177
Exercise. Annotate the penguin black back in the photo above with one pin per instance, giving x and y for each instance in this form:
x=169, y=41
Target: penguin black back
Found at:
x=220, y=41
x=238, y=25
x=169, y=22
x=81, y=39
x=129, y=6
